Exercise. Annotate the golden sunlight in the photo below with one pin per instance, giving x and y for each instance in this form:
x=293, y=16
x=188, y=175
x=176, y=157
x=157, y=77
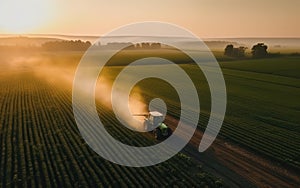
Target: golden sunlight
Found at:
x=19, y=16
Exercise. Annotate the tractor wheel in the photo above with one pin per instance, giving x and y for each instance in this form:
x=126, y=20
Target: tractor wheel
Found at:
x=169, y=132
x=158, y=134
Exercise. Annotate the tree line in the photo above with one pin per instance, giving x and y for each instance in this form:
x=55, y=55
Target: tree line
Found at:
x=76, y=45
x=258, y=51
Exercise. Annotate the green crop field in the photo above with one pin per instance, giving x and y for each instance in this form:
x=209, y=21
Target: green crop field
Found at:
x=262, y=104
x=40, y=145
x=262, y=101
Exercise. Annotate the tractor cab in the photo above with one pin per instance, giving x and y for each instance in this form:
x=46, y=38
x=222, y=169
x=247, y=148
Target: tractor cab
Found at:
x=154, y=122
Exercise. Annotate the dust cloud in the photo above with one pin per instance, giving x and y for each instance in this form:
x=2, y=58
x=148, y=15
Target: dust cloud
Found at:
x=58, y=70
x=125, y=109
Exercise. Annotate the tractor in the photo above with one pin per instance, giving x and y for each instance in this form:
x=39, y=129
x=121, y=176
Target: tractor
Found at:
x=154, y=122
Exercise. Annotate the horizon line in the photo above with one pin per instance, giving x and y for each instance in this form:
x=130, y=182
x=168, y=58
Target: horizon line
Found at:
x=97, y=36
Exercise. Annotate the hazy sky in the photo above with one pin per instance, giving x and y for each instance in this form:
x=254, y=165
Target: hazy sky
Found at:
x=205, y=18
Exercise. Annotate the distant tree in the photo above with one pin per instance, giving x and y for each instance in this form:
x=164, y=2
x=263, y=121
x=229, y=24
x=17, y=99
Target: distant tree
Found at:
x=259, y=50
x=229, y=50
x=145, y=45
x=241, y=51
x=155, y=45
x=138, y=45
x=76, y=45
x=234, y=52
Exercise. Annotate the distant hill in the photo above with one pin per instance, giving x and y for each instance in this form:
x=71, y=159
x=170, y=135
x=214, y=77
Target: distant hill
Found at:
x=25, y=41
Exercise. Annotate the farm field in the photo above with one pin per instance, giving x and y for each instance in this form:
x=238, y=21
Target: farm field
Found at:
x=41, y=145
x=260, y=117
x=262, y=107
x=149, y=94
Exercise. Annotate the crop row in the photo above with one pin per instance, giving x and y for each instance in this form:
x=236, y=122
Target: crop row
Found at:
x=42, y=147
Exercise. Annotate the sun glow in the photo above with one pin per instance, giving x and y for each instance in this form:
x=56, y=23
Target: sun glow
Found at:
x=18, y=16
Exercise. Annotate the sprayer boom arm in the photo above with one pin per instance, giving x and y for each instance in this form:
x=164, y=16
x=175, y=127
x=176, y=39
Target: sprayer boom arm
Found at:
x=139, y=114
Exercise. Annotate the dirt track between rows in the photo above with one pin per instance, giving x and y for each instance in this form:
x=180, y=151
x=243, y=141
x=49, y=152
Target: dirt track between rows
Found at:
x=238, y=166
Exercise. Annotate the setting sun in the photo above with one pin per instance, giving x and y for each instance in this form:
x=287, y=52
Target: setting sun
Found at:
x=18, y=16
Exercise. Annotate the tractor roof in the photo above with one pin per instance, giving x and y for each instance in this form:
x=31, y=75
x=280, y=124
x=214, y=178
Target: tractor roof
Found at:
x=156, y=113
